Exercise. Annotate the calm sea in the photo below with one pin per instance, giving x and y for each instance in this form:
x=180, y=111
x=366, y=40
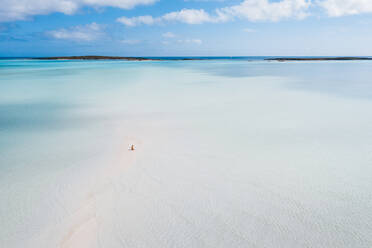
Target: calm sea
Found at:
x=235, y=152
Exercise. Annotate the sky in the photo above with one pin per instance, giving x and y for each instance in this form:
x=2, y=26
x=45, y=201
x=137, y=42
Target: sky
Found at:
x=185, y=27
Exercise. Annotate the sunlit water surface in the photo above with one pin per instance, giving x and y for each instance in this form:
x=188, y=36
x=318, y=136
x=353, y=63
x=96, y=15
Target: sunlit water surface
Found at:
x=229, y=154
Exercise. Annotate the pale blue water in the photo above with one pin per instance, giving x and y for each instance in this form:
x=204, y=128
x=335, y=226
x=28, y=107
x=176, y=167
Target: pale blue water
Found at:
x=230, y=153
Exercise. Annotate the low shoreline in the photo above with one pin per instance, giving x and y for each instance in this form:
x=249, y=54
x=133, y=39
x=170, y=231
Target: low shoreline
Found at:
x=279, y=59
x=93, y=57
x=283, y=59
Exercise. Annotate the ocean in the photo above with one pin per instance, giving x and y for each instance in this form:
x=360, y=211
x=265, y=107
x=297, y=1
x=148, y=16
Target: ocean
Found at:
x=236, y=152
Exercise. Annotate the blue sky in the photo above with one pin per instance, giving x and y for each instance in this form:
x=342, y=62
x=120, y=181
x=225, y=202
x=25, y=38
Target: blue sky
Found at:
x=185, y=27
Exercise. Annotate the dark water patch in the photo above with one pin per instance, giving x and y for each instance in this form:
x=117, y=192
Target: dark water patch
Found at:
x=345, y=79
x=32, y=115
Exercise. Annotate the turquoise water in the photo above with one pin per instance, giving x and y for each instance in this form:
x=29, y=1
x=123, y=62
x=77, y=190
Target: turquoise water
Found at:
x=230, y=153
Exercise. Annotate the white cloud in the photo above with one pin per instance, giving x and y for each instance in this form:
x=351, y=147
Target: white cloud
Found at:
x=182, y=41
x=138, y=20
x=189, y=16
x=253, y=10
x=169, y=35
x=263, y=10
x=131, y=42
x=88, y=32
x=337, y=8
x=123, y=4
x=12, y=10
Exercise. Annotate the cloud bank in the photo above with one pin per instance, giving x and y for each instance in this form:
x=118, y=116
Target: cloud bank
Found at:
x=188, y=16
x=13, y=10
x=263, y=10
x=337, y=8
x=253, y=10
x=88, y=32
x=136, y=21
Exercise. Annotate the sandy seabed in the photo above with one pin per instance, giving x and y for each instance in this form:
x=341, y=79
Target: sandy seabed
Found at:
x=220, y=161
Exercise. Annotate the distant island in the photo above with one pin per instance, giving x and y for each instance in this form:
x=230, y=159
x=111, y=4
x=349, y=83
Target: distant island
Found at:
x=282, y=59
x=93, y=57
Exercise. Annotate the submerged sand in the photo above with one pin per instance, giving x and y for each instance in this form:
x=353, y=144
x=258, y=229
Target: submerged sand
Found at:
x=231, y=160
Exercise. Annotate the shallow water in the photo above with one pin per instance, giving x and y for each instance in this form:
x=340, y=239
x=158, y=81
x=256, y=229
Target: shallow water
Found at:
x=229, y=154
